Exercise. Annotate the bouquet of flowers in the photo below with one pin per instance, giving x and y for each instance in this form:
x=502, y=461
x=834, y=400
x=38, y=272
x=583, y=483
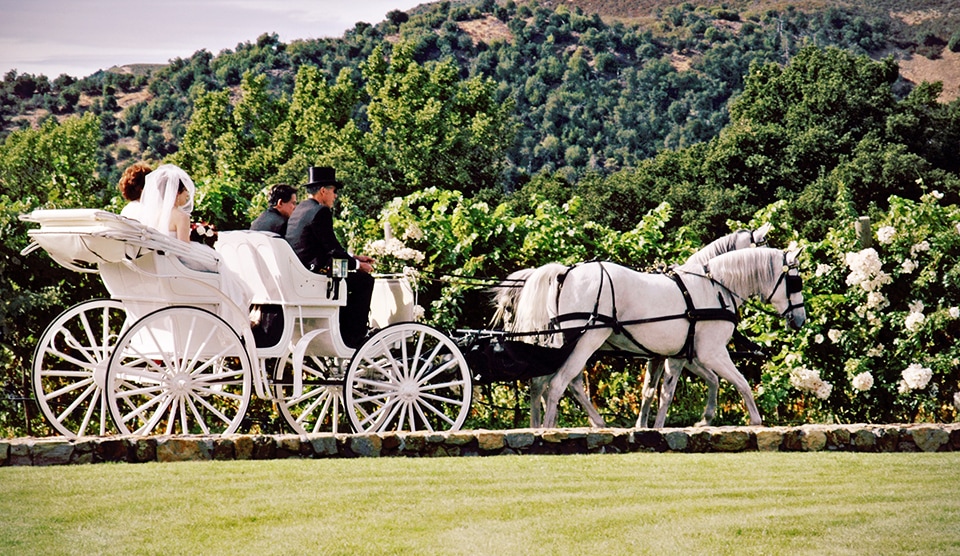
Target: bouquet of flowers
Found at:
x=203, y=232
x=393, y=257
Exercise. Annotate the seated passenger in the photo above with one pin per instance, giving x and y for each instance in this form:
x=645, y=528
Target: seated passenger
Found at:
x=310, y=233
x=283, y=199
x=166, y=204
x=131, y=187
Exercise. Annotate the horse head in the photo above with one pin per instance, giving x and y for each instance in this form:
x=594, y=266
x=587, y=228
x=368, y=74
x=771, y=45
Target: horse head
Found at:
x=787, y=293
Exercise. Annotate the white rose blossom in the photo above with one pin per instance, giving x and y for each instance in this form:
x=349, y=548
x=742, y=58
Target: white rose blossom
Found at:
x=919, y=248
x=809, y=380
x=916, y=377
x=876, y=300
x=866, y=270
x=834, y=335
x=916, y=306
x=914, y=321
x=818, y=338
x=908, y=266
x=823, y=270
x=885, y=235
x=863, y=381
x=954, y=312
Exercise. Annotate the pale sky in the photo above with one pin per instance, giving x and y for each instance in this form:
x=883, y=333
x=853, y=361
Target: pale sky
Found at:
x=79, y=37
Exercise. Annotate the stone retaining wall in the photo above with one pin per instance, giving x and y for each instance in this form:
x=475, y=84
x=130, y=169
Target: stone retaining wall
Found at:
x=809, y=438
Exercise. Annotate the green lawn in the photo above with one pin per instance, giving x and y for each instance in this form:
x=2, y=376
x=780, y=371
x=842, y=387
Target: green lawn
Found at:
x=746, y=503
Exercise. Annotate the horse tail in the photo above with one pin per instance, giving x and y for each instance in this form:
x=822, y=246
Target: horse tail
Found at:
x=537, y=302
x=505, y=296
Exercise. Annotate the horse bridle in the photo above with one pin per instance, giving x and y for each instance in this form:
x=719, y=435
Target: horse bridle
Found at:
x=753, y=238
x=793, y=284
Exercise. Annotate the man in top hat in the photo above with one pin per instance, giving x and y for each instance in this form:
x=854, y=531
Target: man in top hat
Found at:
x=310, y=233
x=283, y=199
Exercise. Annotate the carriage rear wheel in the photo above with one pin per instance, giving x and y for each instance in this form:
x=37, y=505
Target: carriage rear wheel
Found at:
x=408, y=377
x=319, y=407
x=70, y=363
x=179, y=370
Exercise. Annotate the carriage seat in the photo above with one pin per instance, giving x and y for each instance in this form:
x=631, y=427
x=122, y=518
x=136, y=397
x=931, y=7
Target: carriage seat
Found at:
x=268, y=264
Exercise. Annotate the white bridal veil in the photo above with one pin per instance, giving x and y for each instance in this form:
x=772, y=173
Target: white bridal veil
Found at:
x=160, y=193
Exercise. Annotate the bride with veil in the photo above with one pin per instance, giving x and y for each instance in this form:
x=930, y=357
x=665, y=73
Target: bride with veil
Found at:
x=166, y=204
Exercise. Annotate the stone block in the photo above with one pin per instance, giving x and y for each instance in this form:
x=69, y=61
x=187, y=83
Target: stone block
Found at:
x=56, y=452
x=458, y=438
x=649, y=440
x=324, y=445
x=677, y=440
x=111, y=449
x=367, y=445
x=730, y=440
x=769, y=440
x=4, y=452
x=224, y=449
x=490, y=440
x=863, y=440
x=172, y=449
x=928, y=438
x=521, y=439
x=20, y=451
x=243, y=446
x=813, y=439
x=288, y=446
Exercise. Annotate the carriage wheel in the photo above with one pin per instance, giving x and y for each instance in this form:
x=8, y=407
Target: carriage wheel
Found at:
x=320, y=407
x=69, y=365
x=179, y=370
x=409, y=377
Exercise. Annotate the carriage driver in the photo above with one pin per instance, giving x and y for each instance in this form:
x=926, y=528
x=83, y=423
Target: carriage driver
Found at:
x=310, y=233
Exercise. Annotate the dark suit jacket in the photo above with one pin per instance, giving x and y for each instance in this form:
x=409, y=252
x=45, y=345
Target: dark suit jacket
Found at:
x=271, y=221
x=310, y=233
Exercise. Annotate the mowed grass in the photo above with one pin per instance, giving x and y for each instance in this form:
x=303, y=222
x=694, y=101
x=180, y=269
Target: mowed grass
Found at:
x=746, y=503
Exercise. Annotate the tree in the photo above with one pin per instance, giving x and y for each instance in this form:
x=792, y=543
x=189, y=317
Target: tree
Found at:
x=50, y=167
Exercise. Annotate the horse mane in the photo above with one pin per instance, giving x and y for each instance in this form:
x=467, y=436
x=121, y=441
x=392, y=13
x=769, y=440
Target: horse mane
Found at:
x=747, y=270
x=716, y=247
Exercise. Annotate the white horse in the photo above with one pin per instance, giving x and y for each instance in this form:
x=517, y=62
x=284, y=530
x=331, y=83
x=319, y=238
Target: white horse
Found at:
x=651, y=315
x=505, y=300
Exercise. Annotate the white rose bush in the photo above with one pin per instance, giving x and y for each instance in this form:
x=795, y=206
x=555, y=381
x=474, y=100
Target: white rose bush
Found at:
x=891, y=312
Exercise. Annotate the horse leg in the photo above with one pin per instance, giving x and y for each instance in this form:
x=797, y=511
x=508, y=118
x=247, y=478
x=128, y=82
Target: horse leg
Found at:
x=719, y=362
x=650, y=380
x=588, y=343
x=674, y=367
x=538, y=386
x=713, y=385
x=578, y=390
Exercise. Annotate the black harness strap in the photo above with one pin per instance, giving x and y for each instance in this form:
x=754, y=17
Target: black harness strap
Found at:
x=692, y=314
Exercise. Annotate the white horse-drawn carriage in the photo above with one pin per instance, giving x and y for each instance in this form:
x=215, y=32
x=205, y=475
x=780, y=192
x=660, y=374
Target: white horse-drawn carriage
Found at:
x=171, y=353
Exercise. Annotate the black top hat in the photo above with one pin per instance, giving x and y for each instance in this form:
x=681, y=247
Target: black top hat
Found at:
x=320, y=176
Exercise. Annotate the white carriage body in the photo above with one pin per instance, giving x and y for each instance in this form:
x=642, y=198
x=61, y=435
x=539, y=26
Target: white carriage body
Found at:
x=183, y=356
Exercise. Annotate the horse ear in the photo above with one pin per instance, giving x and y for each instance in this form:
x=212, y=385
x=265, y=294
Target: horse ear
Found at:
x=760, y=234
x=794, y=253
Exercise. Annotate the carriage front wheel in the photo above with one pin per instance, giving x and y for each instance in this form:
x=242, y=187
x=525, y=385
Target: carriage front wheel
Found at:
x=179, y=370
x=70, y=363
x=408, y=377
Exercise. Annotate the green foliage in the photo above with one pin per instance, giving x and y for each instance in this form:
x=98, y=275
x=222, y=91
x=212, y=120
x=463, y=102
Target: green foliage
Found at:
x=52, y=167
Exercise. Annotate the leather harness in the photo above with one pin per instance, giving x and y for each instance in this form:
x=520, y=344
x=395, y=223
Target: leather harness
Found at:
x=692, y=314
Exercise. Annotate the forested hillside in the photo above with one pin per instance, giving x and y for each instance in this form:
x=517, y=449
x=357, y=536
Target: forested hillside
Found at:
x=600, y=87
